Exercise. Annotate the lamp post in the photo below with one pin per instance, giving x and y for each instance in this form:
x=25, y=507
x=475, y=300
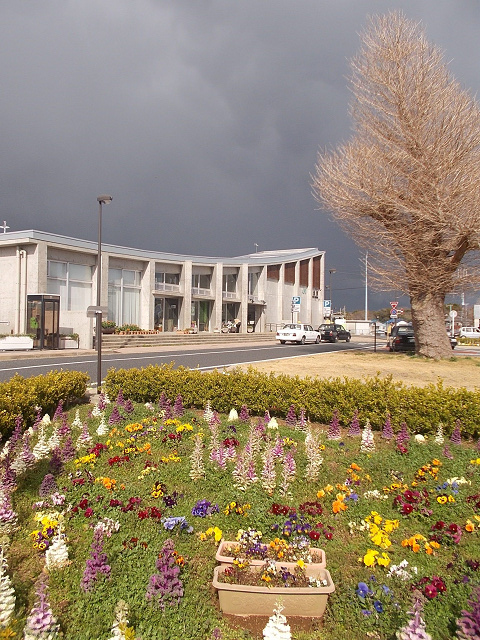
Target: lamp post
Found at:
x=330, y=271
x=101, y=200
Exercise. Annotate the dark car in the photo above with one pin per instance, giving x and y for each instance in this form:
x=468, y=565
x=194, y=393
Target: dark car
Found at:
x=333, y=332
x=402, y=338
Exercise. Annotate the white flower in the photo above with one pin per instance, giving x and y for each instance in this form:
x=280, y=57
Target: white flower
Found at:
x=419, y=438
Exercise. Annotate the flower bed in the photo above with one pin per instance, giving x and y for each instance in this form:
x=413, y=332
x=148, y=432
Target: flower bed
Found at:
x=112, y=515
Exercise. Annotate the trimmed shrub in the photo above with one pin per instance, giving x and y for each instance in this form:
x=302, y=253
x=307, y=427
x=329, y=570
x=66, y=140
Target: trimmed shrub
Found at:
x=422, y=408
x=20, y=396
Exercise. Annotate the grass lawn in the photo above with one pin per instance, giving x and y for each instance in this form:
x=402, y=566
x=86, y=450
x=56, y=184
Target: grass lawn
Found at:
x=390, y=519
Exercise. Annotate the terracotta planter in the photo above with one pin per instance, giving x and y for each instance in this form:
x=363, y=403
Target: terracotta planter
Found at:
x=225, y=558
x=301, y=602
x=108, y=330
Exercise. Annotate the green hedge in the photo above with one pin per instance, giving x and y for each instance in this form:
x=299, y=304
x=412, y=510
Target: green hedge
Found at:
x=19, y=396
x=422, y=408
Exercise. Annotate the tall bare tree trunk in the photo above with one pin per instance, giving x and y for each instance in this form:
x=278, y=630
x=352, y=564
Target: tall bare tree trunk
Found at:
x=428, y=317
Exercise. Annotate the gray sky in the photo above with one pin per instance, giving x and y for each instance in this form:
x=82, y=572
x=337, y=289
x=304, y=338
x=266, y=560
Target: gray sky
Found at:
x=202, y=118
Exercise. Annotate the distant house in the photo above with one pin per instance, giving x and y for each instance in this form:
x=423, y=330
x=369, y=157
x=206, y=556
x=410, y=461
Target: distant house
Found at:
x=153, y=289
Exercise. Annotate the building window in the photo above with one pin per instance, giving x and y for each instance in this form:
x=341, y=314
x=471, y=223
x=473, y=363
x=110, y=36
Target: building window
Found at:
x=201, y=281
x=72, y=282
x=304, y=273
x=229, y=285
x=290, y=273
x=167, y=281
x=253, y=278
x=124, y=296
x=273, y=272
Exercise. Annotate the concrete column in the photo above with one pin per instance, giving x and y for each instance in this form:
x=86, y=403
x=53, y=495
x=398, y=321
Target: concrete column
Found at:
x=243, y=290
x=217, y=284
x=281, y=279
x=185, y=317
x=146, y=295
x=308, y=297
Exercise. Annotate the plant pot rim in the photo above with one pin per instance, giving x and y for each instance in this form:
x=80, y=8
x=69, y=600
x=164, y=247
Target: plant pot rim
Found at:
x=310, y=571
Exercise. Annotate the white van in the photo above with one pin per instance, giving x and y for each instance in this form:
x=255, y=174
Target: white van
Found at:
x=469, y=332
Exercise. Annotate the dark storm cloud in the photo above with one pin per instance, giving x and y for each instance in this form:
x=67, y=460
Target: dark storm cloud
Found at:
x=202, y=118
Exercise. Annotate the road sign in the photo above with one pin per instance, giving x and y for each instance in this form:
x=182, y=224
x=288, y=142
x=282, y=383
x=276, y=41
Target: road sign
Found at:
x=327, y=308
x=393, y=313
x=93, y=311
x=399, y=311
x=394, y=305
x=453, y=313
x=295, y=304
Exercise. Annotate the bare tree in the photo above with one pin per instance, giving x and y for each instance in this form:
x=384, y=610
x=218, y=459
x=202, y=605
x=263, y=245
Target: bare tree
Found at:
x=407, y=184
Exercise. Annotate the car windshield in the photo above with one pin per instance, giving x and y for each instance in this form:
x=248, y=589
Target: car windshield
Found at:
x=404, y=330
x=322, y=327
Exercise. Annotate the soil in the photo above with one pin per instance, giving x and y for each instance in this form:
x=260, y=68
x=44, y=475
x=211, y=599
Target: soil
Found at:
x=455, y=372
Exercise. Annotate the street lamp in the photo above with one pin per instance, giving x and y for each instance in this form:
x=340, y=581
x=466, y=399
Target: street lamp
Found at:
x=101, y=200
x=330, y=271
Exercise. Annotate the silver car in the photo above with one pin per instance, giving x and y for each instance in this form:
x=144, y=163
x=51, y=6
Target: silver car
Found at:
x=299, y=333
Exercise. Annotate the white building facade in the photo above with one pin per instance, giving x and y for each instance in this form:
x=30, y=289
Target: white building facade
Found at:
x=155, y=290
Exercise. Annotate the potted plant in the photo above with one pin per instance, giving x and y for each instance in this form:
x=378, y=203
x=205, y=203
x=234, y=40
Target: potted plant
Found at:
x=244, y=589
x=108, y=326
x=69, y=341
x=250, y=546
x=16, y=342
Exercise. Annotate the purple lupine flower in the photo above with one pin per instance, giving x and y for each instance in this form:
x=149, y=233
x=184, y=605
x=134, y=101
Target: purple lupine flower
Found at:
x=128, y=406
x=334, y=427
x=115, y=416
x=178, y=406
x=387, y=431
x=59, y=413
x=218, y=455
x=64, y=429
x=456, y=437
x=165, y=587
x=68, y=451
x=48, y=486
x=55, y=465
x=403, y=435
x=27, y=455
x=41, y=622
x=291, y=418
x=277, y=450
x=38, y=419
x=244, y=415
x=354, y=429
x=9, y=480
x=447, y=453
x=302, y=421
x=96, y=563
x=469, y=622
x=120, y=399
x=162, y=401
x=266, y=417
x=168, y=410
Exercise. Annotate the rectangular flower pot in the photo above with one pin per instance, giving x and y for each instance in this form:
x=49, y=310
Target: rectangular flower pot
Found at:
x=225, y=558
x=245, y=600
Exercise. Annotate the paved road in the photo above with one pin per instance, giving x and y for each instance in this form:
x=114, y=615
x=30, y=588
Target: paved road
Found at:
x=204, y=357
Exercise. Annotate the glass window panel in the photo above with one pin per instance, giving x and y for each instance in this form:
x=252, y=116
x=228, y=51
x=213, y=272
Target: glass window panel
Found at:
x=129, y=277
x=172, y=278
x=115, y=276
x=204, y=281
x=80, y=296
x=80, y=272
x=131, y=306
x=59, y=287
x=57, y=269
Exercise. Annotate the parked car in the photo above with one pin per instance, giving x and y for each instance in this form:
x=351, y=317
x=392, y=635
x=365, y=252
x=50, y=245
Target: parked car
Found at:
x=469, y=332
x=299, y=333
x=333, y=332
x=402, y=338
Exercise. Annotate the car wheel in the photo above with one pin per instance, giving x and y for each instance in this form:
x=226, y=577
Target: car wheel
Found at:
x=317, y=340
x=282, y=341
x=336, y=339
x=347, y=339
x=302, y=341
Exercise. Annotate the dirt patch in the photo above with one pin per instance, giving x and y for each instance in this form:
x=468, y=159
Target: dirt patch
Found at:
x=413, y=371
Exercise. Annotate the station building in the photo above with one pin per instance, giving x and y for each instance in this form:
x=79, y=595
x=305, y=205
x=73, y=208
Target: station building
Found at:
x=57, y=276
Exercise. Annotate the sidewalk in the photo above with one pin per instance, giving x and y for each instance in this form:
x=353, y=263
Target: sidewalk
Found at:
x=75, y=353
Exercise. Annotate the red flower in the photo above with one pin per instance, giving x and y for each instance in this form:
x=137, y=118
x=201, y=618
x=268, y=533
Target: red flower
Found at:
x=88, y=512
x=328, y=535
x=313, y=535
x=439, y=525
x=407, y=508
x=430, y=591
x=83, y=504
